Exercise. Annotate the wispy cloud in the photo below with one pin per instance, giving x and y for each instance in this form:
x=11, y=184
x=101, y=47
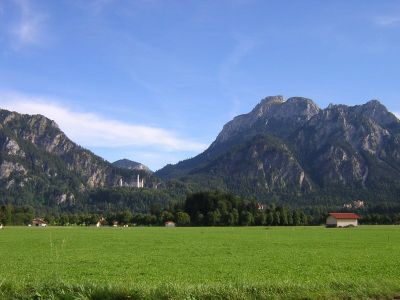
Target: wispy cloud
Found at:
x=28, y=28
x=242, y=48
x=93, y=130
x=387, y=21
x=97, y=6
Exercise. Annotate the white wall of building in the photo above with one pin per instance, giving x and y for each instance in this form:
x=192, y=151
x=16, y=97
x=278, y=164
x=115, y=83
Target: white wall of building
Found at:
x=347, y=222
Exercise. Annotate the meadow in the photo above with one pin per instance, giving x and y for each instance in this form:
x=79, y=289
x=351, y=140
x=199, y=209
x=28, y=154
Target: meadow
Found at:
x=200, y=263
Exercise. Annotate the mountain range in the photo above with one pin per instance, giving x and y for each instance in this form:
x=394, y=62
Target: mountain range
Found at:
x=285, y=149
x=293, y=147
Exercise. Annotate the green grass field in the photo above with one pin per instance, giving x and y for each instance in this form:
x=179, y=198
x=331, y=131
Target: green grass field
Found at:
x=199, y=263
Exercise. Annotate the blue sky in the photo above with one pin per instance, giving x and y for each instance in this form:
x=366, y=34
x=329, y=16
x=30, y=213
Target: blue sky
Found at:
x=155, y=80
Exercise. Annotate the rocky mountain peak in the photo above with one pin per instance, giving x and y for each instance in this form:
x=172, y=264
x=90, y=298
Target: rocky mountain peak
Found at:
x=272, y=99
x=298, y=108
x=376, y=111
x=374, y=103
x=374, y=106
x=276, y=107
x=244, y=122
x=299, y=100
x=265, y=105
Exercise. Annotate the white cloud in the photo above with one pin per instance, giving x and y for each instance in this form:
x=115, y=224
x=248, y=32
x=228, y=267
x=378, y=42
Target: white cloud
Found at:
x=397, y=115
x=93, y=130
x=387, y=21
x=28, y=29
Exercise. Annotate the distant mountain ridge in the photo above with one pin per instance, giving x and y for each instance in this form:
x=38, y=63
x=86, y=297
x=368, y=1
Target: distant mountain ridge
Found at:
x=294, y=146
x=280, y=150
x=131, y=165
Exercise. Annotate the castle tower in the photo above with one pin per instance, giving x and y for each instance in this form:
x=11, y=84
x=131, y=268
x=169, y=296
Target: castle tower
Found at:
x=138, y=182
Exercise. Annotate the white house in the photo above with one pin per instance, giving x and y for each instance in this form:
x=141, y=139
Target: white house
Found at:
x=342, y=220
x=39, y=222
x=169, y=224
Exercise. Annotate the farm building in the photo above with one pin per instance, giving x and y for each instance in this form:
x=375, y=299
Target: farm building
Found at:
x=342, y=220
x=169, y=224
x=39, y=222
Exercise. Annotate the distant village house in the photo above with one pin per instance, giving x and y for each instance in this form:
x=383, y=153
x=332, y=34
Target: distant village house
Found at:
x=169, y=224
x=358, y=204
x=39, y=222
x=342, y=220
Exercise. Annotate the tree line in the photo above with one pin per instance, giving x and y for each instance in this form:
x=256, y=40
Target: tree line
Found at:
x=225, y=209
x=211, y=208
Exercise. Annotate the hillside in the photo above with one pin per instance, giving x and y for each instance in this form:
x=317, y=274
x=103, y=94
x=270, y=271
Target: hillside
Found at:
x=40, y=165
x=294, y=149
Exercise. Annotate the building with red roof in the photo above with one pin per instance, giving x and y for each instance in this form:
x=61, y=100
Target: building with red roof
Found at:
x=342, y=220
x=169, y=224
x=39, y=222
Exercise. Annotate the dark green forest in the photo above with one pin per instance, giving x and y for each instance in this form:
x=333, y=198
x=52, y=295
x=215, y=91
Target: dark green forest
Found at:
x=145, y=207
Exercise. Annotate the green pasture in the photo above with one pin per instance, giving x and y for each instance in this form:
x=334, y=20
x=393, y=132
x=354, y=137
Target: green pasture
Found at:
x=200, y=263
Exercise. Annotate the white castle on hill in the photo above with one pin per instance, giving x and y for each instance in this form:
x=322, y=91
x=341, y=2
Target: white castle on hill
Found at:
x=139, y=183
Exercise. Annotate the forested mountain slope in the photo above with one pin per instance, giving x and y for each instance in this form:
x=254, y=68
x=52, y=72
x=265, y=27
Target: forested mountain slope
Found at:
x=39, y=164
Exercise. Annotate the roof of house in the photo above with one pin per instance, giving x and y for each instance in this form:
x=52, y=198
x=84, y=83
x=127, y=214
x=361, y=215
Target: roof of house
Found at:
x=38, y=220
x=344, y=215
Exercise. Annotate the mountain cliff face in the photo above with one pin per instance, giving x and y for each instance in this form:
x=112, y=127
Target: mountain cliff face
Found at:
x=293, y=146
x=38, y=162
x=268, y=114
